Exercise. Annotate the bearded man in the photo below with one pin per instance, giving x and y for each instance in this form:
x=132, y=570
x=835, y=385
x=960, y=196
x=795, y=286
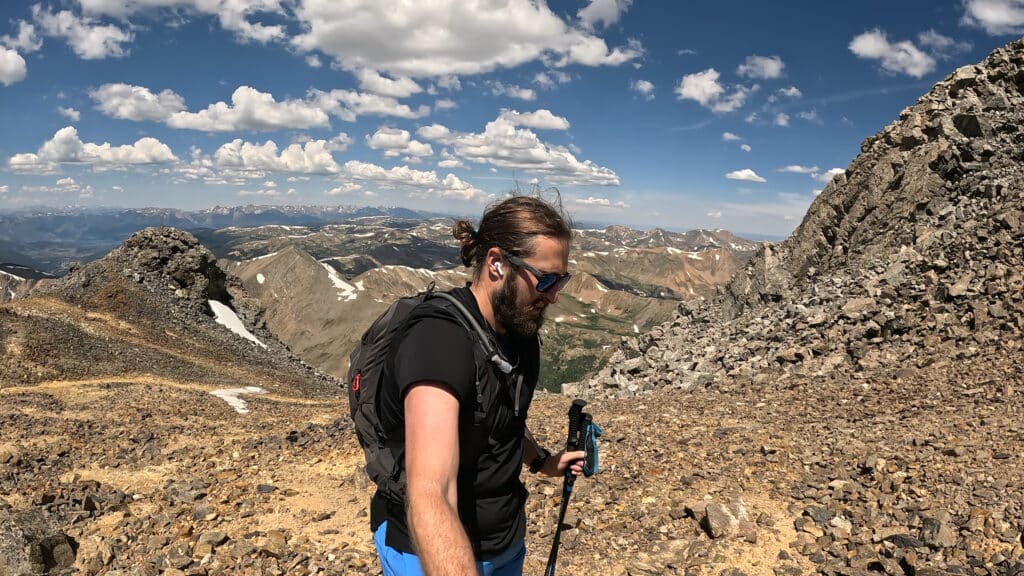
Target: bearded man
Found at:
x=463, y=512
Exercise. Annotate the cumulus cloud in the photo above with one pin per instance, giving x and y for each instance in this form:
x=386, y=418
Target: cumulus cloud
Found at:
x=781, y=119
x=643, y=88
x=129, y=102
x=995, y=17
x=27, y=40
x=829, y=175
x=605, y=12
x=313, y=61
x=449, y=37
x=349, y=105
x=67, y=147
x=798, y=169
x=745, y=174
x=12, y=67
x=730, y=137
x=551, y=78
x=600, y=202
x=311, y=157
x=4, y=189
x=809, y=115
x=251, y=109
x=345, y=189
x=761, y=67
x=791, y=92
x=745, y=147
x=401, y=87
x=425, y=183
x=541, y=119
x=234, y=16
x=445, y=104
x=88, y=38
x=395, y=142
x=69, y=113
x=705, y=89
x=897, y=58
x=512, y=91
x=504, y=144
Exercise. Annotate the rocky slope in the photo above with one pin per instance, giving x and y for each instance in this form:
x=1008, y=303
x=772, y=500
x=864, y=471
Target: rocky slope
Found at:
x=913, y=256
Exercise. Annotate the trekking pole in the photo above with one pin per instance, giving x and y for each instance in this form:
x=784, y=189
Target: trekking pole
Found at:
x=572, y=444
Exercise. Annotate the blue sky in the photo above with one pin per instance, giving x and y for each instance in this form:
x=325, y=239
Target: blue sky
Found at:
x=677, y=114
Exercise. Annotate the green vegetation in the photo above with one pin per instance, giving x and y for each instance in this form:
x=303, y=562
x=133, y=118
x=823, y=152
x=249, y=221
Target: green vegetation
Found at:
x=555, y=370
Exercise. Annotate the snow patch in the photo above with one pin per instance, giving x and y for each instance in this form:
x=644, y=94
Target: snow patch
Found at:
x=694, y=256
x=601, y=288
x=261, y=278
x=347, y=292
x=264, y=256
x=11, y=275
x=226, y=317
x=636, y=329
x=560, y=319
x=718, y=257
x=231, y=396
x=672, y=250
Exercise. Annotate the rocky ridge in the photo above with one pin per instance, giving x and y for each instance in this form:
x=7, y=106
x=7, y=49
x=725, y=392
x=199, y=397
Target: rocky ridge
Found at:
x=912, y=257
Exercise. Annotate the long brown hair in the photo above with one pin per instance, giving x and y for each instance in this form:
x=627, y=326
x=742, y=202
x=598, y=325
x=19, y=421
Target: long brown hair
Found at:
x=512, y=225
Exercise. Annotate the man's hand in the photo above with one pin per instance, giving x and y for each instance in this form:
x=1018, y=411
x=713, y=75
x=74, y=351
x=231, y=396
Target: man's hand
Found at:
x=557, y=463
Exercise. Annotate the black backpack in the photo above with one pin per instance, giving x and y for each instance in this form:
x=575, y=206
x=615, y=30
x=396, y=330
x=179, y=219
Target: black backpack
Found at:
x=366, y=375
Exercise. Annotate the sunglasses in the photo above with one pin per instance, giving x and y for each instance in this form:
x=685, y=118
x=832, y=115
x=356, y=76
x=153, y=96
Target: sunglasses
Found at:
x=546, y=281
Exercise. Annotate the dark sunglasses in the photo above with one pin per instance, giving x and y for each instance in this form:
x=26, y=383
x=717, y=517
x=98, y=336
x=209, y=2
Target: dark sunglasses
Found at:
x=546, y=281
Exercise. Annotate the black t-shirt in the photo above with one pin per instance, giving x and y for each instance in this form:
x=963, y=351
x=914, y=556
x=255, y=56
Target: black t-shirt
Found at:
x=435, y=348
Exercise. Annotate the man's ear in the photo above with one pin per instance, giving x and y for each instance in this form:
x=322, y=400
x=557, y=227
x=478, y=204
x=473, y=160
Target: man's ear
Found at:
x=494, y=265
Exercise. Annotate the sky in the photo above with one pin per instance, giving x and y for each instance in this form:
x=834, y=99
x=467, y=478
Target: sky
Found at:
x=677, y=114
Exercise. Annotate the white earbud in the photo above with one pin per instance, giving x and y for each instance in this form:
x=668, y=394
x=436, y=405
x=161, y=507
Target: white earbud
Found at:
x=497, y=266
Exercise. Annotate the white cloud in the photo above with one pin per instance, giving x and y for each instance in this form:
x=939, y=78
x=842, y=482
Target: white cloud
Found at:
x=644, y=88
x=450, y=82
x=136, y=103
x=995, y=17
x=234, y=15
x=730, y=137
x=313, y=61
x=512, y=91
x=401, y=87
x=88, y=38
x=791, y=92
x=781, y=119
x=4, y=189
x=817, y=191
x=312, y=157
x=898, y=58
x=797, y=169
x=69, y=113
x=745, y=147
x=67, y=147
x=26, y=41
x=349, y=105
x=251, y=109
x=425, y=183
x=746, y=174
x=551, y=78
x=445, y=104
x=940, y=45
x=809, y=115
x=12, y=67
x=714, y=214
x=446, y=37
x=607, y=12
x=761, y=67
x=704, y=88
x=541, y=119
x=346, y=188
x=504, y=145
x=600, y=202
x=395, y=142
x=264, y=193
x=828, y=176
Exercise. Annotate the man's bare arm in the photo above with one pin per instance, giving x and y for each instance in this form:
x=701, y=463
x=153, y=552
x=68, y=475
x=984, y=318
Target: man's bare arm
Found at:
x=432, y=468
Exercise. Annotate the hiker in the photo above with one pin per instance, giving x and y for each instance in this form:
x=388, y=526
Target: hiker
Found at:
x=463, y=423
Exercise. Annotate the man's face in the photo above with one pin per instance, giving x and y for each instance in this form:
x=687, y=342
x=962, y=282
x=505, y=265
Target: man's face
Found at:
x=518, y=306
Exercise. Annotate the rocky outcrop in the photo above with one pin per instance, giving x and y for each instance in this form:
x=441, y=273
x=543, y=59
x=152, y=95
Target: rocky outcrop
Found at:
x=912, y=256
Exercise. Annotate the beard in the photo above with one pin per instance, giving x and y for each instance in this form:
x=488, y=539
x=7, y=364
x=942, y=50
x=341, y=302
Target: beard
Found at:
x=520, y=320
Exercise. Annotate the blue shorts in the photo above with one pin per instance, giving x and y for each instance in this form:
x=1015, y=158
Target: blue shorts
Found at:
x=395, y=563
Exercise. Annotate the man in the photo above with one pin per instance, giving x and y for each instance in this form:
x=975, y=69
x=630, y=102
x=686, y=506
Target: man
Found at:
x=463, y=513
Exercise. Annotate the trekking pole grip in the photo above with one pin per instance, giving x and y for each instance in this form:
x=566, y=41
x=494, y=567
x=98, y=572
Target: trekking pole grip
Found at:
x=575, y=424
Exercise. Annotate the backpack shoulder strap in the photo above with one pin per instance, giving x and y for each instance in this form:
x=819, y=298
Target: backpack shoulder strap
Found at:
x=482, y=336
